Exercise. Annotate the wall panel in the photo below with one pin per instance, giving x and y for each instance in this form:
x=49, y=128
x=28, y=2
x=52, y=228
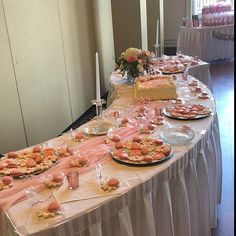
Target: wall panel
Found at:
x=35, y=36
x=126, y=24
x=12, y=135
x=105, y=40
x=173, y=20
x=79, y=45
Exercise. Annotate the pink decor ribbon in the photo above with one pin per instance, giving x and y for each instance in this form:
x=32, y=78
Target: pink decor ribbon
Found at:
x=95, y=149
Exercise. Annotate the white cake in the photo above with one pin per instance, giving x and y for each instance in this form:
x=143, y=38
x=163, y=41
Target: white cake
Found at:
x=155, y=87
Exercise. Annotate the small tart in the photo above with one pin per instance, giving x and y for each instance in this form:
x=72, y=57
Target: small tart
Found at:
x=111, y=184
x=37, y=149
x=79, y=162
x=12, y=155
x=50, y=211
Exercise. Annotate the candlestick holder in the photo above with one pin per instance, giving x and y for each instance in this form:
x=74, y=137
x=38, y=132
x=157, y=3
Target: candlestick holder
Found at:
x=98, y=103
x=99, y=125
x=156, y=50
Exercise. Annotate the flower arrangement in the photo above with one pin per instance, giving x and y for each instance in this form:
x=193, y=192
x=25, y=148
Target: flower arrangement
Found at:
x=133, y=61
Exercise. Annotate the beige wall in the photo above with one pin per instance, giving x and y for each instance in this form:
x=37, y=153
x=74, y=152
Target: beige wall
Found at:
x=105, y=41
x=79, y=39
x=12, y=135
x=126, y=24
x=47, y=75
x=38, y=58
x=152, y=16
x=173, y=13
x=49, y=66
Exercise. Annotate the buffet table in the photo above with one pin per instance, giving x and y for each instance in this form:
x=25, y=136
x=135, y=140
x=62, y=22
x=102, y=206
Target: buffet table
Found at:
x=118, y=85
x=176, y=197
x=208, y=43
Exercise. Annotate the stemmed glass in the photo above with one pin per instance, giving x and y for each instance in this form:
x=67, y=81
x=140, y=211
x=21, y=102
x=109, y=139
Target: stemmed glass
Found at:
x=98, y=171
x=33, y=196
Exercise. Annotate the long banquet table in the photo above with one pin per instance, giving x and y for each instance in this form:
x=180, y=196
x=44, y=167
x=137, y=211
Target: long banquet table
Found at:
x=208, y=43
x=201, y=71
x=176, y=197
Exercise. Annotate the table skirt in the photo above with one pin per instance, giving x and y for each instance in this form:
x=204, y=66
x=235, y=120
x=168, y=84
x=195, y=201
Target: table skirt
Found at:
x=201, y=42
x=180, y=200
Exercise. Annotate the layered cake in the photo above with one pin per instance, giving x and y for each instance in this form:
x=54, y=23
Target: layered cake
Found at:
x=155, y=87
x=219, y=13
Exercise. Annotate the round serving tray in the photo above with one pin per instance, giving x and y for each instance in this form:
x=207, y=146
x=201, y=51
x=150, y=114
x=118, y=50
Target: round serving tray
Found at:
x=31, y=174
x=142, y=163
x=168, y=114
x=170, y=73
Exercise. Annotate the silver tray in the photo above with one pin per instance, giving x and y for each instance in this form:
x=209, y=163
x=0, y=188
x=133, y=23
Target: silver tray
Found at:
x=142, y=163
x=168, y=114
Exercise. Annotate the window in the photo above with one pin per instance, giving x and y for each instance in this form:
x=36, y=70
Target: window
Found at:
x=198, y=4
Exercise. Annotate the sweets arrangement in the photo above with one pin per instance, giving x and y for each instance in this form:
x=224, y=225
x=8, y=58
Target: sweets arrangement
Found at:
x=198, y=90
x=78, y=161
x=54, y=181
x=183, y=111
x=18, y=164
x=50, y=211
x=141, y=151
x=217, y=14
x=110, y=184
x=6, y=182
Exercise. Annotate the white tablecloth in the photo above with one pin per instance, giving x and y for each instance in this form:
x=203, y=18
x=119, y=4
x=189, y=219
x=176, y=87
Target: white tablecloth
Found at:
x=178, y=197
x=203, y=42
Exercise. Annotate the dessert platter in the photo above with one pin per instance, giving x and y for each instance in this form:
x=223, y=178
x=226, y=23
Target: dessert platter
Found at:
x=187, y=112
x=173, y=69
x=141, y=152
x=23, y=164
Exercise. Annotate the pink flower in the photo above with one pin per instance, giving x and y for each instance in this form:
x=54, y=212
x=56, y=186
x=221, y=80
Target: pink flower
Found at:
x=132, y=58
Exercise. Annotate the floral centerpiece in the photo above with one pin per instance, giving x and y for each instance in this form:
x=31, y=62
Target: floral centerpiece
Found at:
x=133, y=62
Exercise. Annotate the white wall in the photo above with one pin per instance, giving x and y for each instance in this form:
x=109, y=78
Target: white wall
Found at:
x=38, y=58
x=12, y=135
x=47, y=66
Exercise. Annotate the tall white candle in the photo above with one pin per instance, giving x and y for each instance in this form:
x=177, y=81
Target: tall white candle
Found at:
x=157, y=33
x=98, y=95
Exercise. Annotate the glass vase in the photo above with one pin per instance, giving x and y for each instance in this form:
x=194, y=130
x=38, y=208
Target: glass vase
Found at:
x=130, y=79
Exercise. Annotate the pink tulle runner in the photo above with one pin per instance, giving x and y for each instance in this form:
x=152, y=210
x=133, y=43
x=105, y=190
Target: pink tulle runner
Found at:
x=95, y=149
